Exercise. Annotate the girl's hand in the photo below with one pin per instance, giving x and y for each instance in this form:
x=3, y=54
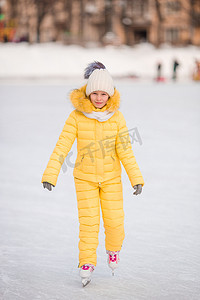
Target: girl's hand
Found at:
x=138, y=189
x=47, y=185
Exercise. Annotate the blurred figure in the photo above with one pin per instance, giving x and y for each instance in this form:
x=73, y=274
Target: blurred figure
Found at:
x=159, y=77
x=159, y=67
x=196, y=74
x=5, y=38
x=175, y=66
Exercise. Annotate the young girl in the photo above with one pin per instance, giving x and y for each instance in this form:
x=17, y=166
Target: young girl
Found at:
x=102, y=142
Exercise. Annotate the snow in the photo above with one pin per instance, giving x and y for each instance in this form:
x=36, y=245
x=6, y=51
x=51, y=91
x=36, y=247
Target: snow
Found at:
x=39, y=229
x=59, y=61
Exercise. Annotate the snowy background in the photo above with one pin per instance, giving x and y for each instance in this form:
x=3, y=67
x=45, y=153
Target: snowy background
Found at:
x=39, y=229
x=48, y=61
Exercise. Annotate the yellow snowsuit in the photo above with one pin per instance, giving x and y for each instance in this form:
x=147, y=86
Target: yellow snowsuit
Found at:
x=97, y=173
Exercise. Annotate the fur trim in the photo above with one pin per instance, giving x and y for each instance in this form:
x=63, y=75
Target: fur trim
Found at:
x=83, y=104
x=91, y=67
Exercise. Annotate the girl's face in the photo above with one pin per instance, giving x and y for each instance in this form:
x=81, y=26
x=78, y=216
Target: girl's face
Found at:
x=99, y=98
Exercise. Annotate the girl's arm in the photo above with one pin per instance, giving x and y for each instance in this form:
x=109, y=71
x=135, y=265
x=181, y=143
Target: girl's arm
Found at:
x=62, y=148
x=125, y=153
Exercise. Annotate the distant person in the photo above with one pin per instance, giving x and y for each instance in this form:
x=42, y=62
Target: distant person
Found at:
x=175, y=66
x=24, y=38
x=196, y=75
x=159, y=77
x=159, y=68
x=102, y=142
x=5, y=38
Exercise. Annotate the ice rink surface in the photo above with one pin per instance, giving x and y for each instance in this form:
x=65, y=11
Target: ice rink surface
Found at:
x=160, y=259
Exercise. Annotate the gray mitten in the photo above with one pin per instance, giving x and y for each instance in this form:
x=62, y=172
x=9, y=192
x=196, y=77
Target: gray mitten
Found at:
x=138, y=189
x=47, y=185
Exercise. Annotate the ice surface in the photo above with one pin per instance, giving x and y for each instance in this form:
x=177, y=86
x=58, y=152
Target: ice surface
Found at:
x=39, y=229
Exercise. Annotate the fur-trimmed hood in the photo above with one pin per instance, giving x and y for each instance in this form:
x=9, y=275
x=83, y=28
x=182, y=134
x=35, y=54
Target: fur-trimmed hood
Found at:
x=83, y=104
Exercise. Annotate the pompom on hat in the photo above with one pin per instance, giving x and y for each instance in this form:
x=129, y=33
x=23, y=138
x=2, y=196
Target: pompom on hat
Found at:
x=99, y=79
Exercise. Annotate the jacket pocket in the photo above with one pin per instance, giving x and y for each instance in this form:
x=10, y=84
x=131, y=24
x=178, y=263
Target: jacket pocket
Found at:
x=82, y=161
x=113, y=161
x=113, y=158
x=79, y=162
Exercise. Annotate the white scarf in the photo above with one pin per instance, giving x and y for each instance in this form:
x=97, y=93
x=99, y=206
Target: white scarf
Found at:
x=101, y=116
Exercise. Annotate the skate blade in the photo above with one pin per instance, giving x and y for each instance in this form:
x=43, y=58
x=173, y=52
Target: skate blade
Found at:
x=86, y=281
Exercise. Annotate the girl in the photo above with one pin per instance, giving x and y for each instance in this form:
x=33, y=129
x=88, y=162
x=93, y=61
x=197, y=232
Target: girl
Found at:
x=102, y=142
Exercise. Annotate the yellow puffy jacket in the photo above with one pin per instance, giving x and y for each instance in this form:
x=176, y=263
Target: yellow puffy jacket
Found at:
x=100, y=145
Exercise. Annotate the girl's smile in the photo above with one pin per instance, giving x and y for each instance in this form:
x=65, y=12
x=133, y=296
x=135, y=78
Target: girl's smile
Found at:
x=99, y=98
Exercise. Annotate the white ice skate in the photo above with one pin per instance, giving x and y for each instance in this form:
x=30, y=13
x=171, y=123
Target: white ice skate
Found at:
x=113, y=260
x=86, y=273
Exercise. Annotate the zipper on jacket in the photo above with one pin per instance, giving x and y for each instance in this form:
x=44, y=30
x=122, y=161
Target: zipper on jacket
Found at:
x=82, y=157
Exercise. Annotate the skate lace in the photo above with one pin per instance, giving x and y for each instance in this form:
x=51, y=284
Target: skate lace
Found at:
x=113, y=255
x=87, y=267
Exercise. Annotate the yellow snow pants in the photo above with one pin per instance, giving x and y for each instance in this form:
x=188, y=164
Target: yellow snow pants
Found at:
x=90, y=196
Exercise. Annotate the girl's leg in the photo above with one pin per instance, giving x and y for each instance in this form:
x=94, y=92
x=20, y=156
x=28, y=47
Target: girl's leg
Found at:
x=111, y=196
x=89, y=219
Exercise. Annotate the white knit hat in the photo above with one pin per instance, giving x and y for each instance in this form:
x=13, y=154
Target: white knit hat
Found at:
x=99, y=79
